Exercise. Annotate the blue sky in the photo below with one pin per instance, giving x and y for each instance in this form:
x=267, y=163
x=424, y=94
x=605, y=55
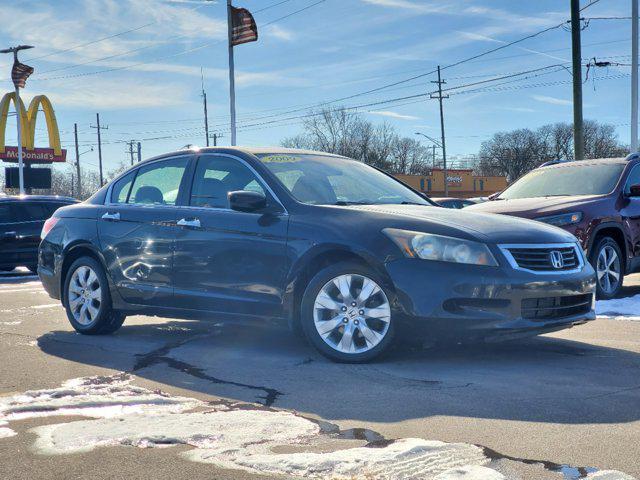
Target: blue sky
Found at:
x=147, y=85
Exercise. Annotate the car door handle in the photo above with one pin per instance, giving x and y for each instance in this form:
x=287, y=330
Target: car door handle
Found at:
x=111, y=216
x=189, y=222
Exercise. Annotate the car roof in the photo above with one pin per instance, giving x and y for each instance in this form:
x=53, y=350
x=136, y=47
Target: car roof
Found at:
x=38, y=198
x=593, y=161
x=249, y=150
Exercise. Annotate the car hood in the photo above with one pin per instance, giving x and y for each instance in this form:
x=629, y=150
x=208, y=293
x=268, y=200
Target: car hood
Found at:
x=466, y=224
x=535, y=207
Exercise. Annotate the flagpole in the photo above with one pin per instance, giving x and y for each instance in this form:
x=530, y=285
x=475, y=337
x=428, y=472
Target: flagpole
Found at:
x=19, y=122
x=232, y=83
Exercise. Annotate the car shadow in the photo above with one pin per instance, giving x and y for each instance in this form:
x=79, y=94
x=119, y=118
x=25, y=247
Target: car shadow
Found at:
x=540, y=379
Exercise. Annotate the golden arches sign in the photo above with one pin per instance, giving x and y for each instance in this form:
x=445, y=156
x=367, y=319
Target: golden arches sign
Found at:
x=27, y=119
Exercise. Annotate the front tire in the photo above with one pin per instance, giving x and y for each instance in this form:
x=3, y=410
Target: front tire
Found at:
x=607, y=260
x=87, y=299
x=346, y=313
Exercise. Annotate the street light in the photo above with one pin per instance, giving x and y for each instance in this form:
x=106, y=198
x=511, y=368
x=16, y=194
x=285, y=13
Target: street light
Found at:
x=435, y=142
x=15, y=51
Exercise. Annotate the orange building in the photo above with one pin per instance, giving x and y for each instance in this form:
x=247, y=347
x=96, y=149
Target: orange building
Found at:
x=462, y=183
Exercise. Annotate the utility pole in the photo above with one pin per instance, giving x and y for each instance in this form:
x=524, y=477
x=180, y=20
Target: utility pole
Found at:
x=215, y=137
x=440, y=97
x=232, y=81
x=98, y=128
x=204, y=102
x=130, y=143
x=576, y=50
x=79, y=185
x=434, y=155
x=634, y=76
x=139, y=152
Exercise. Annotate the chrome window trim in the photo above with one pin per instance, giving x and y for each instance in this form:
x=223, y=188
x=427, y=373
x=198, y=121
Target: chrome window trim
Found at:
x=504, y=249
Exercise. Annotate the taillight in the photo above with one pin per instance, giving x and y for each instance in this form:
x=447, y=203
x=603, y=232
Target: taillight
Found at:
x=48, y=225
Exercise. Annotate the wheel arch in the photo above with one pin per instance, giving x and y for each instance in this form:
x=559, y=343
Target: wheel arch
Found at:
x=615, y=231
x=71, y=253
x=315, y=260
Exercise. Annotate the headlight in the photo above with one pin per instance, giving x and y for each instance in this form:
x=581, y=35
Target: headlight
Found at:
x=437, y=247
x=562, y=219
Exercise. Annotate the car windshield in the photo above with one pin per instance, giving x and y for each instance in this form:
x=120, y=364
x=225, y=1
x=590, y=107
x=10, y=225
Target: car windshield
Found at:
x=326, y=180
x=590, y=179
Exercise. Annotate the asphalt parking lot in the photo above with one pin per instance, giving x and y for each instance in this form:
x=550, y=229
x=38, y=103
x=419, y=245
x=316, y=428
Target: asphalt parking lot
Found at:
x=565, y=405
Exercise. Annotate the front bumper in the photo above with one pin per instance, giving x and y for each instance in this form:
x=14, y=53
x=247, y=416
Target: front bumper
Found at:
x=452, y=301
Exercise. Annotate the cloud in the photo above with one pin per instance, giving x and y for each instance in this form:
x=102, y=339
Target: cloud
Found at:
x=388, y=113
x=551, y=100
x=517, y=109
x=105, y=94
x=278, y=32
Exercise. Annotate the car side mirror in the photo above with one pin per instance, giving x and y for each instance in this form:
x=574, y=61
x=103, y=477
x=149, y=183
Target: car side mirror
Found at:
x=634, y=191
x=493, y=196
x=247, y=201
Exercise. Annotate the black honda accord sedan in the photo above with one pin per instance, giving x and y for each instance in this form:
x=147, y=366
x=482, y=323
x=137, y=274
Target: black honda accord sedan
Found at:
x=341, y=251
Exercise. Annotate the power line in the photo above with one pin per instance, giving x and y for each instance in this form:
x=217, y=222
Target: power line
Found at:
x=184, y=52
x=108, y=37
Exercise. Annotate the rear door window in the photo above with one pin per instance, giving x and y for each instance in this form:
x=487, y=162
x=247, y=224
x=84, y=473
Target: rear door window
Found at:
x=158, y=183
x=634, y=179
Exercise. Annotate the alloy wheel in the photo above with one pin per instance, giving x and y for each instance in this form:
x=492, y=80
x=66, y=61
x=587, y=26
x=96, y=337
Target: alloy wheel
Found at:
x=608, y=269
x=85, y=295
x=352, y=314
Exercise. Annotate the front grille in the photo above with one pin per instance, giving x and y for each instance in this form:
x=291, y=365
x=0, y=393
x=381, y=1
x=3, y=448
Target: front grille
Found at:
x=549, y=308
x=539, y=259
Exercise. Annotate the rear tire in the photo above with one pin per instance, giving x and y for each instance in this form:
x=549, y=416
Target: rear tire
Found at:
x=87, y=299
x=608, y=262
x=346, y=313
x=33, y=269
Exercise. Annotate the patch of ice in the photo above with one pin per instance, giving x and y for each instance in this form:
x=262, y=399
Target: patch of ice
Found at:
x=474, y=472
x=620, y=308
x=610, y=475
x=106, y=396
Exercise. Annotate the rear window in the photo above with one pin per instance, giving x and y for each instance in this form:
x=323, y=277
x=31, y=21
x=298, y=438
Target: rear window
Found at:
x=30, y=212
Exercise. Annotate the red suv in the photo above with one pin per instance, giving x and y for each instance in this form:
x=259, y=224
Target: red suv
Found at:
x=596, y=200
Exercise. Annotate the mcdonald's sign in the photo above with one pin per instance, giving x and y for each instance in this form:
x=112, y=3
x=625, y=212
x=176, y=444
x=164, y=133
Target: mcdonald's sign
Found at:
x=27, y=119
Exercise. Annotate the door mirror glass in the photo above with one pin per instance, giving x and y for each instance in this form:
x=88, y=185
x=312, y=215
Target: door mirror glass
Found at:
x=247, y=201
x=634, y=191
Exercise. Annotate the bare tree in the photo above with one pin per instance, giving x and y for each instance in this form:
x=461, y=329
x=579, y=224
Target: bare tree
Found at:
x=515, y=153
x=338, y=131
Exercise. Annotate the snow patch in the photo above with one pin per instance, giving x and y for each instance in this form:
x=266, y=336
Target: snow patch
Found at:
x=620, y=308
x=11, y=323
x=5, y=432
x=227, y=432
x=106, y=396
x=404, y=458
x=475, y=472
x=610, y=475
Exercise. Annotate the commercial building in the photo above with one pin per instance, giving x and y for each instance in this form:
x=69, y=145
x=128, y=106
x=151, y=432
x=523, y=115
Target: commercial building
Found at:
x=462, y=183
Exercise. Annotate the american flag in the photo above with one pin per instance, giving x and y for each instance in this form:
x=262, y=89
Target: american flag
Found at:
x=19, y=73
x=243, y=26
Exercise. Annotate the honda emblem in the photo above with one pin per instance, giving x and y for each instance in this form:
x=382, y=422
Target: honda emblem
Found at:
x=556, y=259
